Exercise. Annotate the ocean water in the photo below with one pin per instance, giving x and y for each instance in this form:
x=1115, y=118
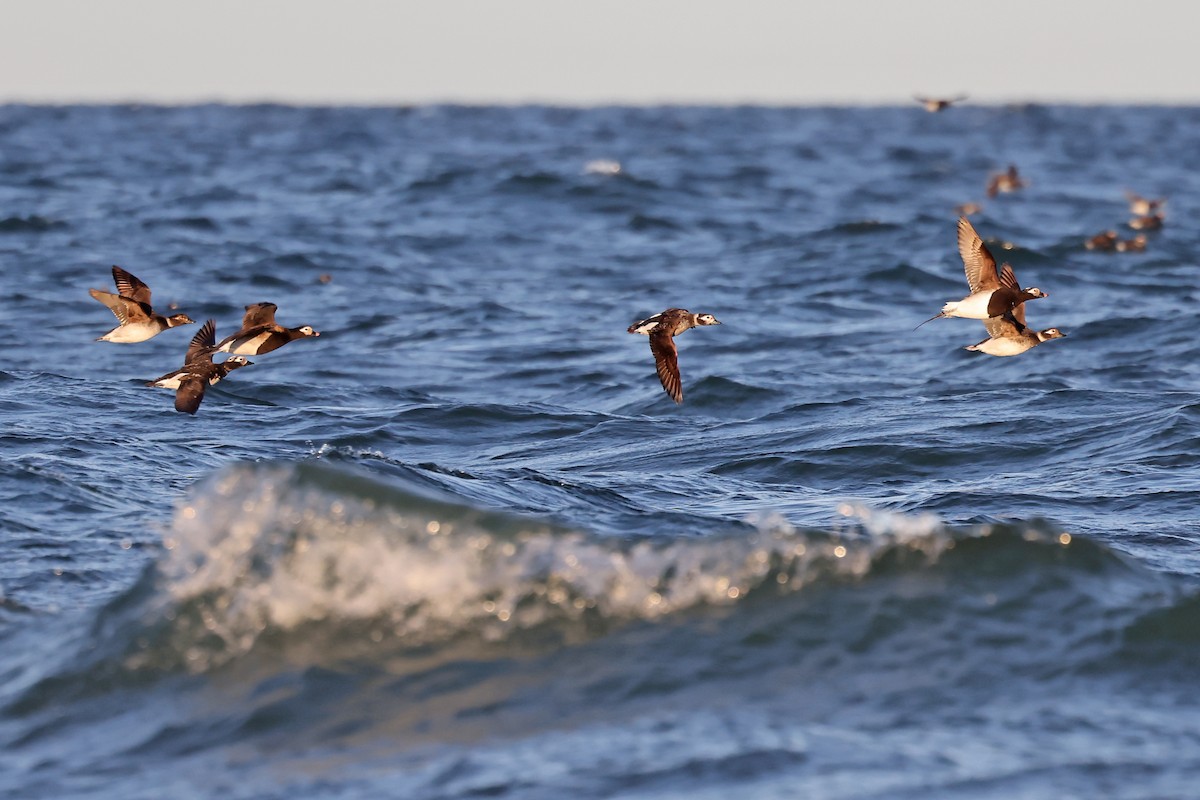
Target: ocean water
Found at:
x=462, y=545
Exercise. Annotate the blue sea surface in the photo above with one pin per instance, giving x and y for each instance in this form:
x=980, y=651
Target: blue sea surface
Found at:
x=463, y=545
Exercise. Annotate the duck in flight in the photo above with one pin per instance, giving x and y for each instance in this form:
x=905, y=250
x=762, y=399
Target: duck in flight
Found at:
x=935, y=104
x=994, y=291
x=662, y=329
x=1009, y=336
x=198, y=371
x=131, y=306
x=260, y=333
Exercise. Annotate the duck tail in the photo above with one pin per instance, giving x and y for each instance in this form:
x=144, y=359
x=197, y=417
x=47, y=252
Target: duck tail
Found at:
x=938, y=315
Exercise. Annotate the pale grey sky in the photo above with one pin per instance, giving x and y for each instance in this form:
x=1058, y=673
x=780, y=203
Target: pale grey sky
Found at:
x=586, y=52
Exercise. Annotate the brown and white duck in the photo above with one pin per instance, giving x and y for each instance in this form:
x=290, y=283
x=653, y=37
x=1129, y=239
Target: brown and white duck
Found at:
x=1004, y=182
x=1009, y=336
x=131, y=306
x=1102, y=241
x=260, y=333
x=1144, y=206
x=198, y=371
x=662, y=329
x=994, y=291
x=1148, y=222
x=1135, y=245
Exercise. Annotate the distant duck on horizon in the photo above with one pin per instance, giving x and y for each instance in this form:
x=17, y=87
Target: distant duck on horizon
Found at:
x=935, y=104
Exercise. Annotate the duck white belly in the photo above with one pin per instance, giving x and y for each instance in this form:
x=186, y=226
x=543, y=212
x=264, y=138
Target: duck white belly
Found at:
x=128, y=334
x=248, y=345
x=973, y=306
x=1005, y=346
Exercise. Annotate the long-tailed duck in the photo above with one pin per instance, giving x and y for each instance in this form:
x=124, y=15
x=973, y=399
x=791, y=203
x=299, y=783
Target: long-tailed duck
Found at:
x=1148, y=222
x=198, y=371
x=131, y=307
x=936, y=104
x=1007, y=181
x=1144, y=206
x=1135, y=245
x=260, y=332
x=662, y=328
x=1009, y=336
x=1102, y=241
x=993, y=291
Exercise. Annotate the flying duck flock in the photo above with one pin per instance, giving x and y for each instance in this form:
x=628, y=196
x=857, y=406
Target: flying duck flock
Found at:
x=137, y=322
x=995, y=298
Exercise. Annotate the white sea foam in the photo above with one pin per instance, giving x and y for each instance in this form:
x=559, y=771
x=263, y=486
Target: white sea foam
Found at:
x=602, y=166
x=278, y=547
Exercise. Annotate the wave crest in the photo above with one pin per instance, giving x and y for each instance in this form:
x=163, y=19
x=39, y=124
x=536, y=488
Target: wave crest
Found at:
x=269, y=549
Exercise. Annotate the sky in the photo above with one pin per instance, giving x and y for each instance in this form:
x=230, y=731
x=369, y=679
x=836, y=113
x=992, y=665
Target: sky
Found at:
x=583, y=52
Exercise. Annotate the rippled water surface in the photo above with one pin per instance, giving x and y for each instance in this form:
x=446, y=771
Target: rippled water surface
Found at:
x=463, y=545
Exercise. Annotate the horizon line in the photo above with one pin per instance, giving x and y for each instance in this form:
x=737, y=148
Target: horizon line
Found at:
x=616, y=102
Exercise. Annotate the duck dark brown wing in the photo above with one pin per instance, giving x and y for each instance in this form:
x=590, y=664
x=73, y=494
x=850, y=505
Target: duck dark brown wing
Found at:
x=1009, y=326
x=1008, y=278
x=203, y=343
x=129, y=286
x=125, y=309
x=977, y=260
x=1019, y=314
x=675, y=320
x=190, y=394
x=663, y=320
x=667, y=364
x=259, y=314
